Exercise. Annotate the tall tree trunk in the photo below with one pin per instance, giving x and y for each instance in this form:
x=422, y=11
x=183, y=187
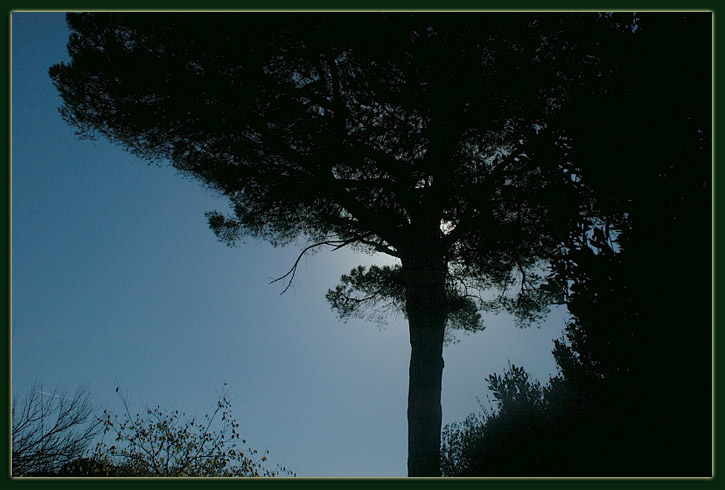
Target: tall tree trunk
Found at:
x=427, y=311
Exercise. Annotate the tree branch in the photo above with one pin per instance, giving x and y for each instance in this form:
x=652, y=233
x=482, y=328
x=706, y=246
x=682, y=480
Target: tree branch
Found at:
x=380, y=247
x=337, y=244
x=483, y=189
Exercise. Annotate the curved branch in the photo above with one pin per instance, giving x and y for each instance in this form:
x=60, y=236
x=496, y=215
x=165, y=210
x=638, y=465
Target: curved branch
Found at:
x=337, y=244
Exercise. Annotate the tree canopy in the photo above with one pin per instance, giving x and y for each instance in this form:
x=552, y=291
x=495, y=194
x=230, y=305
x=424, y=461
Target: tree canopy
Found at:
x=438, y=126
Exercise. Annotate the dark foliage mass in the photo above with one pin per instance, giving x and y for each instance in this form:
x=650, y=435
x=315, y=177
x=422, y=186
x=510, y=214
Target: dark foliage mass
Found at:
x=476, y=149
x=634, y=392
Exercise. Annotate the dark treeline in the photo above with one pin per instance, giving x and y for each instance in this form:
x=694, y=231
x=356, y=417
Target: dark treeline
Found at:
x=634, y=391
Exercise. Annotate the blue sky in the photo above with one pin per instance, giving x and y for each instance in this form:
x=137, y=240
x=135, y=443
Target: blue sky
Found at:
x=117, y=281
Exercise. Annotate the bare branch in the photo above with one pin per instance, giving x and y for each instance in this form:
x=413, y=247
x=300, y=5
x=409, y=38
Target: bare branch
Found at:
x=337, y=244
x=50, y=429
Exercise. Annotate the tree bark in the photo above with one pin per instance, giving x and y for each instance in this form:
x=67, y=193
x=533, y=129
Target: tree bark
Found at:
x=427, y=312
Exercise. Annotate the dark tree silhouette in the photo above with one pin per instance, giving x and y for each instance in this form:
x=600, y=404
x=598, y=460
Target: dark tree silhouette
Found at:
x=645, y=314
x=634, y=392
x=430, y=138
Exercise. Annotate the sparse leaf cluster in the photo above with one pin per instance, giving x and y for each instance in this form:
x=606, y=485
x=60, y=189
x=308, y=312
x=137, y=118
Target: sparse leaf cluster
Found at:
x=159, y=443
x=52, y=432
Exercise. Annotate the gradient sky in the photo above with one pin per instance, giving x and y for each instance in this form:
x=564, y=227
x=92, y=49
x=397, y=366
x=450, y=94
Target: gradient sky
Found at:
x=117, y=281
